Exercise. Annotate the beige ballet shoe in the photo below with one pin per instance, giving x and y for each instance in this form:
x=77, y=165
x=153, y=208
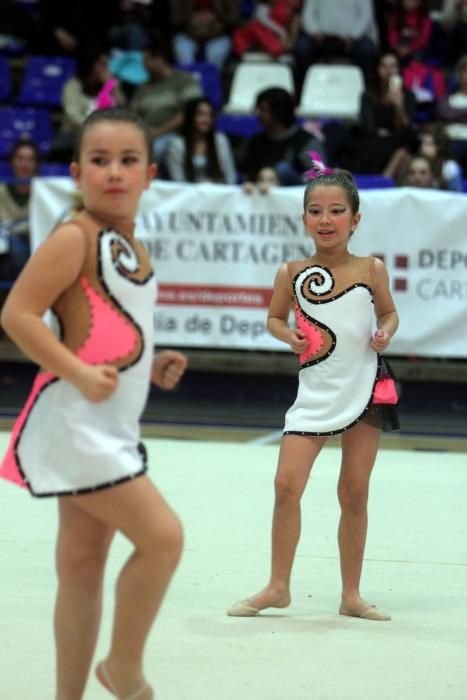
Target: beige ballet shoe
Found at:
x=104, y=678
x=246, y=607
x=369, y=613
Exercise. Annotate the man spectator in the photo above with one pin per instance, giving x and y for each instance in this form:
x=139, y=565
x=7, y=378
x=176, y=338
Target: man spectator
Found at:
x=283, y=144
x=202, y=30
x=335, y=29
x=161, y=101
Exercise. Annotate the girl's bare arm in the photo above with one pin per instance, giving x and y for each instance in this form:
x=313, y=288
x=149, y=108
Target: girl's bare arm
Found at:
x=387, y=319
x=48, y=273
x=279, y=310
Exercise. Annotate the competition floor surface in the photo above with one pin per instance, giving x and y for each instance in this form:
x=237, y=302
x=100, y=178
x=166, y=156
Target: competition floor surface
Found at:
x=213, y=447
x=415, y=568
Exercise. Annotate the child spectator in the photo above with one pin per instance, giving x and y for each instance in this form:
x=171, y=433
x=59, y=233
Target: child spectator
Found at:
x=265, y=179
x=434, y=145
x=420, y=173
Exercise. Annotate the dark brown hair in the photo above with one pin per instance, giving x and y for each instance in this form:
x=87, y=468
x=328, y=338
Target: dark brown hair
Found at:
x=337, y=178
x=114, y=114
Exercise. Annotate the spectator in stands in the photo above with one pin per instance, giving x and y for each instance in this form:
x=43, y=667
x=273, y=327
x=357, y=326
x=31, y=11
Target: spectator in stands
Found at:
x=419, y=173
x=130, y=33
x=80, y=96
x=14, y=209
x=161, y=101
x=454, y=23
x=282, y=144
x=199, y=153
x=385, y=135
x=334, y=30
x=434, y=145
x=203, y=29
x=265, y=179
x=272, y=29
x=452, y=110
x=409, y=30
x=67, y=26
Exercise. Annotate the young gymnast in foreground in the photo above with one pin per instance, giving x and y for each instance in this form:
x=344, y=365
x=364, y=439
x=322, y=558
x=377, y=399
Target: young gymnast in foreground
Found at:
x=78, y=435
x=342, y=384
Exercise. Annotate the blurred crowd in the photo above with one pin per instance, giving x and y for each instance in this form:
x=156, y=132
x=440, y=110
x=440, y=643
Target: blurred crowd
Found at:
x=411, y=128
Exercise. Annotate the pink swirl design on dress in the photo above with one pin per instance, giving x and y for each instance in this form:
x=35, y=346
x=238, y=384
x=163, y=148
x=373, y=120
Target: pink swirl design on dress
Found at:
x=9, y=468
x=112, y=336
x=312, y=334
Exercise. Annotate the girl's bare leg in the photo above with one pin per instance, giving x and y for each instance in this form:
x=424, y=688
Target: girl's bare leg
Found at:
x=136, y=509
x=359, y=449
x=296, y=458
x=82, y=548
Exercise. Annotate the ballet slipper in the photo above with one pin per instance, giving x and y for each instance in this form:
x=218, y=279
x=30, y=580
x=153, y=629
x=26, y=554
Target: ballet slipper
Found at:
x=246, y=607
x=104, y=678
x=369, y=613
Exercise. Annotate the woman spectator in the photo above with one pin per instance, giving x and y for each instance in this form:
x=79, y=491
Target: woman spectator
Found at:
x=14, y=209
x=81, y=95
x=385, y=136
x=200, y=153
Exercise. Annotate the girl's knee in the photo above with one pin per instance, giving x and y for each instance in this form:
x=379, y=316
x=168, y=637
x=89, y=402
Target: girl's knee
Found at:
x=81, y=565
x=166, y=540
x=286, y=489
x=353, y=498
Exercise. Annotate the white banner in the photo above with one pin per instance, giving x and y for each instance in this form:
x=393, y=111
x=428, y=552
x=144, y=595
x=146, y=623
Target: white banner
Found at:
x=216, y=251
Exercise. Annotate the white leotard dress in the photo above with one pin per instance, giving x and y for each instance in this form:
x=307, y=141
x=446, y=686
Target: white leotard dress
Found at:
x=61, y=443
x=334, y=308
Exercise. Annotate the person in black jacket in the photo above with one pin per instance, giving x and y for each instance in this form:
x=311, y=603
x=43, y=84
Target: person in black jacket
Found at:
x=385, y=136
x=282, y=144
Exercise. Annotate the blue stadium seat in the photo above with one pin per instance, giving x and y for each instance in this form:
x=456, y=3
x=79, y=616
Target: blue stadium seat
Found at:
x=43, y=80
x=372, y=182
x=54, y=170
x=18, y=123
x=5, y=79
x=31, y=6
x=5, y=171
x=209, y=78
x=238, y=124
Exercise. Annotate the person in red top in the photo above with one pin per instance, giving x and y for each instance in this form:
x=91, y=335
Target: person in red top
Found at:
x=273, y=28
x=409, y=29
